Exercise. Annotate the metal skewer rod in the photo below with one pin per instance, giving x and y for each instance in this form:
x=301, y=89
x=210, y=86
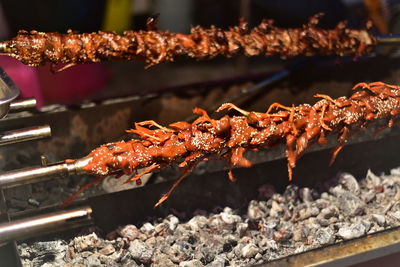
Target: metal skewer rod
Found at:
x=389, y=39
x=26, y=134
x=37, y=174
x=23, y=104
x=44, y=224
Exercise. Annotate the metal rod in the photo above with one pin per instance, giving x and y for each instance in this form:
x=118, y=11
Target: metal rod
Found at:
x=26, y=134
x=39, y=225
x=346, y=253
x=23, y=104
x=37, y=174
x=390, y=39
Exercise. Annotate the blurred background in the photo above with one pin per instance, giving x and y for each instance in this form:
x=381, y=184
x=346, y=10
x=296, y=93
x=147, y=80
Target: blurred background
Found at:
x=112, y=79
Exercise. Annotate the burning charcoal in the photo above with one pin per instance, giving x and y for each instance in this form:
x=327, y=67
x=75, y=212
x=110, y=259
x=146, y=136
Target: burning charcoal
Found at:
x=322, y=203
x=324, y=236
x=368, y=196
x=380, y=219
x=180, y=251
x=298, y=234
x=93, y=260
x=140, y=252
x=86, y=254
x=291, y=193
x=197, y=222
x=282, y=235
x=255, y=210
x=23, y=251
x=372, y=180
x=107, y=250
x=305, y=194
x=129, y=231
x=353, y=231
x=395, y=215
x=337, y=190
x=350, y=205
x=219, y=261
x=172, y=221
x=191, y=263
x=275, y=209
x=88, y=242
x=241, y=228
x=329, y=212
x=300, y=249
x=147, y=228
x=48, y=252
x=161, y=259
x=314, y=211
x=349, y=183
x=323, y=222
x=230, y=219
x=151, y=241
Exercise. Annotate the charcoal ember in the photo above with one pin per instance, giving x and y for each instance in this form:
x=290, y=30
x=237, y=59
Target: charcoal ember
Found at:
x=291, y=193
x=351, y=231
x=250, y=250
x=93, y=260
x=107, y=250
x=372, y=180
x=241, y=228
x=329, y=212
x=180, y=251
x=275, y=210
x=322, y=203
x=219, y=261
x=82, y=243
x=349, y=183
x=172, y=221
x=282, y=235
x=147, y=228
x=191, y=263
x=130, y=263
x=324, y=236
x=140, y=252
x=395, y=215
x=257, y=209
x=305, y=194
x=229, y=238
x=368, y=196
x=197, y=222
x=47, y=252
x=230, y=219
x=350, y=205
x=337, y=190
x=379, y=219
x=130, y=232
x=161, y=259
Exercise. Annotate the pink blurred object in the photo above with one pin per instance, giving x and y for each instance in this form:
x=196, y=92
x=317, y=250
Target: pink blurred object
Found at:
x=70, y=86
x=74, y=84
x=25, y=77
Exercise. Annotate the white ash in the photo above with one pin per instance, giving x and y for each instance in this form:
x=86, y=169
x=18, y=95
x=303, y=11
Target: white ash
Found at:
x=276, y=226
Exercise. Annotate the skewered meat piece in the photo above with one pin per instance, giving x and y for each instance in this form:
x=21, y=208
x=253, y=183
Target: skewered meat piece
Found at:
x=154, y=46
x=228, y=138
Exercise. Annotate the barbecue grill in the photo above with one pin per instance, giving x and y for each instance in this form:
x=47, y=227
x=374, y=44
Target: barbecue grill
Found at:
x=31, y=220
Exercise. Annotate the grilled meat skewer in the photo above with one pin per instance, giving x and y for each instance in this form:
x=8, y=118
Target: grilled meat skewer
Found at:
x=154, y=46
